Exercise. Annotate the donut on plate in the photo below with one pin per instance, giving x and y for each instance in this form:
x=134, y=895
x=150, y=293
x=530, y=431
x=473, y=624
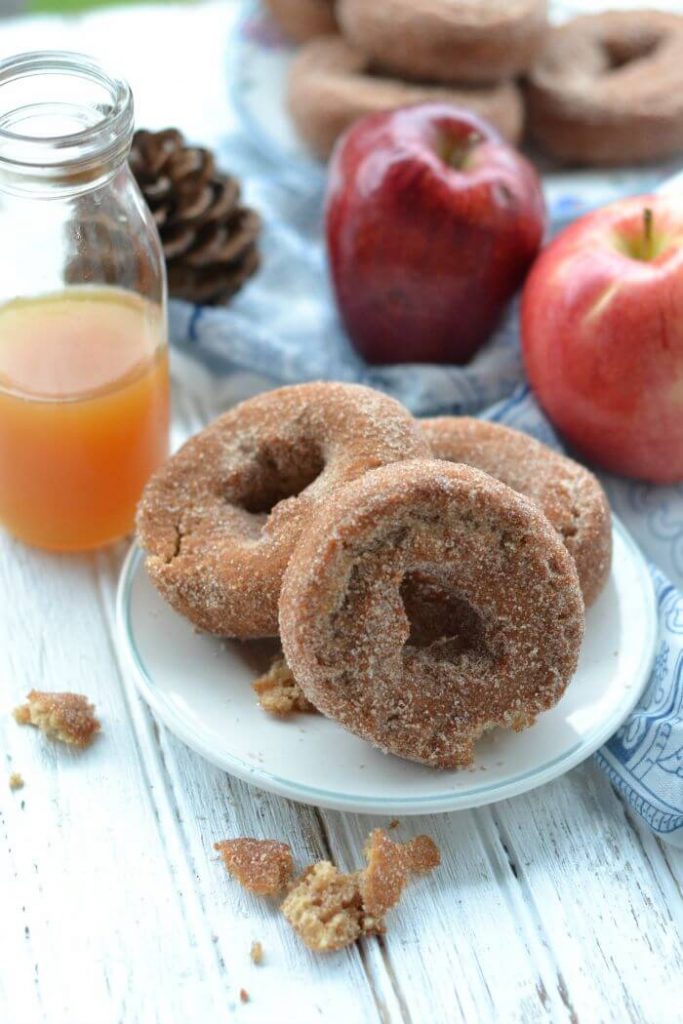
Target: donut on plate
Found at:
x=219, y=521
x=428, y=603
x=303, y=19
x=569, y=495
x=446, y=40
x=608, y=89
x=331, y=85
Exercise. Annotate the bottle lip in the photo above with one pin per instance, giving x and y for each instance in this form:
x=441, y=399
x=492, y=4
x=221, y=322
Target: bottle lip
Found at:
x=81, y=153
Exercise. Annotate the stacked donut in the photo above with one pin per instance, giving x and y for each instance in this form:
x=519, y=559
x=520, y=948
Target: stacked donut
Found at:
x=427, y=579
x=389, y=53
x=602, y=89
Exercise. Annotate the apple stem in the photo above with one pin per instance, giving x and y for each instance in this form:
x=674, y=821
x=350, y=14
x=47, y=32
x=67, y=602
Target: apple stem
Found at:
x=647, y=229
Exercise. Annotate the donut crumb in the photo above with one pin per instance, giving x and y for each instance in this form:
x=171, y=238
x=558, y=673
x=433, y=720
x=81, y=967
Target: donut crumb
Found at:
x=67, y=717
x=423, y=854
x=279, y=693
x=325, y=908
x=16, y=781
x=244, y=995
x=330, y=910
x=263, y=866
x=256, y=953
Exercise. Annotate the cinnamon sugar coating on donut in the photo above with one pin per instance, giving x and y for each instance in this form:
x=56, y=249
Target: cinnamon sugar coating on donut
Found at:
x=220, y=520
x=447, y=40
x=303, y=19
x=569, y=494
x=496, y=613
x=607, y=89
x=332, y=84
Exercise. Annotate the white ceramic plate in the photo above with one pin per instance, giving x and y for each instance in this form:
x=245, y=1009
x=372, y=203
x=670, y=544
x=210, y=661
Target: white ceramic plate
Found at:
x=258, y=65
x=199, y=687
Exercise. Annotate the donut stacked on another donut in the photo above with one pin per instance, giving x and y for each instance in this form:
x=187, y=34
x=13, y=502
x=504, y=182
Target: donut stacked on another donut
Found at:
x=447, y=40
x=220, y=520
x=607, y=89
x=331, y=86
x=429, y=603
x=303, y=19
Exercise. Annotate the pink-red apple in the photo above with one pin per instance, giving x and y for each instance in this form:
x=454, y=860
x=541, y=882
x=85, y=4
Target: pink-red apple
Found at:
x=432, y=222
x=602, y=335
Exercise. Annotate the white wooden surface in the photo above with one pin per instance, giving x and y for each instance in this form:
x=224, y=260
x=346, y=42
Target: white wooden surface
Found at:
x=556, y=906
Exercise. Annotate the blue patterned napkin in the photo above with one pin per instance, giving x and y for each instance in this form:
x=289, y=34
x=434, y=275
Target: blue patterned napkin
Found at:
x=283, y=328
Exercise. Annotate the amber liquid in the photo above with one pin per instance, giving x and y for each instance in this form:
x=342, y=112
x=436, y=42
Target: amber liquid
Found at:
x=84, y=409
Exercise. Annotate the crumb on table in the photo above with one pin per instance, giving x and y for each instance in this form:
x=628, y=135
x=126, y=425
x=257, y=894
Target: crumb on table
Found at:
x=256, y=952
x=263, y=866
x=278, y=691
x=67, y=717
x=16, y=781
x=386, y=874
x=330, y=910
x=325, y=908
x=244, y=995
x=423, y=854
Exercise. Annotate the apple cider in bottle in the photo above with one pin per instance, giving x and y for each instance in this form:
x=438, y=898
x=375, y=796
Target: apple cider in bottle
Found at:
x=83, y=355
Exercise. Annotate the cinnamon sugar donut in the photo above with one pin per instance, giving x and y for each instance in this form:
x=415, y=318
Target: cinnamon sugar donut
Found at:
x=569, y=495
x=427, y=603
x=220, y=519
x=608, y=89
x=303, y=19
x=331, y=86
x=447, y=40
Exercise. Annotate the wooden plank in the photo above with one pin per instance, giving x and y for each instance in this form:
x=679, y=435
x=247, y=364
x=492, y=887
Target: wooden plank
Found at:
x=102, y=925
x=460, y=946
x=608, y=919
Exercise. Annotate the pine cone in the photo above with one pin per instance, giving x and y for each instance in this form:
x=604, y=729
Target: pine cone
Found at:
x=209, y=238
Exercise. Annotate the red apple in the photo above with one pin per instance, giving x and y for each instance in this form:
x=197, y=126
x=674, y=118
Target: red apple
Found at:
x=602, y=335
x=432, y=222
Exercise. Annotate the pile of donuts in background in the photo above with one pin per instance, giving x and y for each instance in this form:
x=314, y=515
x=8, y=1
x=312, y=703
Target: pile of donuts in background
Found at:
x=427, y=579
x=503, y=61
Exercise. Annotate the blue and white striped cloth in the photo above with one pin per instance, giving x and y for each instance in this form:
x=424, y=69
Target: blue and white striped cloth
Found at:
x=283, y=329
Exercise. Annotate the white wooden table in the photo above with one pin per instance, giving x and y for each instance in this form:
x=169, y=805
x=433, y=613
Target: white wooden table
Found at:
x=556, y=906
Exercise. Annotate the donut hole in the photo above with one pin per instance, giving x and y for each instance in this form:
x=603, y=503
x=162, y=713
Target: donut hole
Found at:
x=280, y=471
x=439, y=617
x=620, y=52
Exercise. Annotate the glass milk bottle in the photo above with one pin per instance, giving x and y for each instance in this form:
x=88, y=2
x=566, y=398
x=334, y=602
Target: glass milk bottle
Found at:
x=83, y=353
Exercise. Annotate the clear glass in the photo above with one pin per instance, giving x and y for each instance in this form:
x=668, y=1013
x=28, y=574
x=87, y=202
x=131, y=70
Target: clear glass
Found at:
x=83, y=353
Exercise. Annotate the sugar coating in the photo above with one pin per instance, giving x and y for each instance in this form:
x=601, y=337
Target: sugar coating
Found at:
x=497, y=610
x=219, y=521
x=568, y=493
x=263, y=866
x=67, y=717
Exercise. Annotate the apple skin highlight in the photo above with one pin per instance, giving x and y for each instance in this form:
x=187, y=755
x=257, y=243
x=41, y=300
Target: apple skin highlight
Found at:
x=602, y=337
x=432, y=222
